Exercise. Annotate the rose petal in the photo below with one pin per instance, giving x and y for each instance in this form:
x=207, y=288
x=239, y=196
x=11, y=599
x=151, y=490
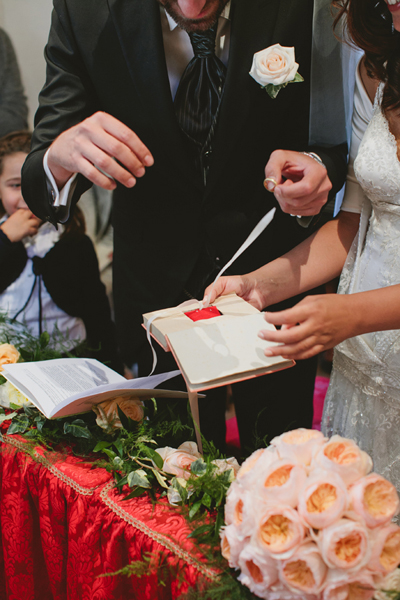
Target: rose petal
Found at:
x=344, y=457
x=375, y=499
x=305, y=571
x=323, y=499
x=344, y=545
x=299, y=445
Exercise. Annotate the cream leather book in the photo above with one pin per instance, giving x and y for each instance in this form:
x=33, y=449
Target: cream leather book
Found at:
x=219, y=350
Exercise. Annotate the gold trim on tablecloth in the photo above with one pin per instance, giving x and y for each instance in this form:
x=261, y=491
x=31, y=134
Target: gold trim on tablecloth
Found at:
x=113, y=506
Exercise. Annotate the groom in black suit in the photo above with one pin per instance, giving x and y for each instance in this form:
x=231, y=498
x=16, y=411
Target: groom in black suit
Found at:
x=107, y=114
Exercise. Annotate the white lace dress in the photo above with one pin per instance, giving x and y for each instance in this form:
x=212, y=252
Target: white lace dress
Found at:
x=363, y=400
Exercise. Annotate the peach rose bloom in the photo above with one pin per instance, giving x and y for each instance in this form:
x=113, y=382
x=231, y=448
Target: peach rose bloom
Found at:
x=280, y=482
x=107, y=411
x=8, y=355
x=249, y=471
x=258, y=572
x=177, y=461
x=278, y=531
x=305, y=571
x=299, y=445
x=375, y=499
x=231, y=545
x=344, y=457
x=323, y=499
x=385, y=555
x=344, y=545
x=341, y=586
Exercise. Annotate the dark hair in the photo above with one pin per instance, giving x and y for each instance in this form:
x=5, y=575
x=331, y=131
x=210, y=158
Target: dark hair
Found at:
x=369, y=25
x=20, y=141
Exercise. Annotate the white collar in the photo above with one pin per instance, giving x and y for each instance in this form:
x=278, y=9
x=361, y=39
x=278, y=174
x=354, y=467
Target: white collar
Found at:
x=225, y=15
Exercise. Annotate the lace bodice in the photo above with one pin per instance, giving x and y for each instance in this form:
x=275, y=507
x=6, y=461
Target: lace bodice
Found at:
x=377, y=167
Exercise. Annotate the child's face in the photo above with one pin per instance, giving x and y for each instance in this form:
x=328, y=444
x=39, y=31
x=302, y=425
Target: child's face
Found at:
x=10, y=183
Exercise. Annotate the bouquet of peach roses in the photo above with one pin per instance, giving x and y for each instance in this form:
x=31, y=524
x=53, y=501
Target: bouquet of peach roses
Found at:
x=306, y=518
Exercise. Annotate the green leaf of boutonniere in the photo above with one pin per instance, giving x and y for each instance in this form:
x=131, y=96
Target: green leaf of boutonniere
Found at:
x=273, y=90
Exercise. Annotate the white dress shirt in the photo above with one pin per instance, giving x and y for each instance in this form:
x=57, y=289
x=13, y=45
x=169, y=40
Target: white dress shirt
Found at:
x=178, y=53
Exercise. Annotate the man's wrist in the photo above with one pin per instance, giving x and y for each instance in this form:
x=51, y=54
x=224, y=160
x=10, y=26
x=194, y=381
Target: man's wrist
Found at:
x=317, y=158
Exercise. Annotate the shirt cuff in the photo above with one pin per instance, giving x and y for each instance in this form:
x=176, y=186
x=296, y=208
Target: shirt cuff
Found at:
x=63, y=197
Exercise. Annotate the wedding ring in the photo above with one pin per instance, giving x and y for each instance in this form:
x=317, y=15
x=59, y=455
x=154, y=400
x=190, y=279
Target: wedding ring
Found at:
x=270, y=180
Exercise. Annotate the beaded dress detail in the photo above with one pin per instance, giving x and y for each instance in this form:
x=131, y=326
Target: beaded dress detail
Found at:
x=363, y=400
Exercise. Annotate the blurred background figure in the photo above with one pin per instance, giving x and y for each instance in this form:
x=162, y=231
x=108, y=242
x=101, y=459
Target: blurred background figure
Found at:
x=13, y=105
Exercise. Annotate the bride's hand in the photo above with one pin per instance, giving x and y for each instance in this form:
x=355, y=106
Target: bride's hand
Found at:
x=245, y=286
x=312, y=326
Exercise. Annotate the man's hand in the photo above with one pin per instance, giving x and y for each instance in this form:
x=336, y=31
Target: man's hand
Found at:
x=303, y=184
x=20, y=224
x=93, y=145
x=245, y=286
x=312, y=326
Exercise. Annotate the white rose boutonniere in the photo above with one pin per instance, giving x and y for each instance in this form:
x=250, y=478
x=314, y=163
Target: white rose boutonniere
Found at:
x=275, y=67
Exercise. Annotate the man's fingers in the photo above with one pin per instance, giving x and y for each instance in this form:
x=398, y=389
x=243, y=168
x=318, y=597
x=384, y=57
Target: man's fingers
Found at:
x=273, y=170
x=125, y=135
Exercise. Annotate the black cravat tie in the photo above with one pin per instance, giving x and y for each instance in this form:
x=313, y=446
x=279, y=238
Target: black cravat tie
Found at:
x=199, y=93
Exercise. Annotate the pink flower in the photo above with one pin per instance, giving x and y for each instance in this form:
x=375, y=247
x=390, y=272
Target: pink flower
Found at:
x=344, y=545
x=323, y=499
x=341, y=586
x=231, y=545
x=385, y=554
x=280, y=482
x=305, y=571
x=249, y=471
x=299, y=445
x=258, y=571
x=279, y=591
x=278, y=531
x=178, y=461
x=344, y=457
x=375, y=499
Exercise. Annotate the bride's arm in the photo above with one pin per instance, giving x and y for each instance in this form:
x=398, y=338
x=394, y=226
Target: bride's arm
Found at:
x=325, y=321
x=317, y=260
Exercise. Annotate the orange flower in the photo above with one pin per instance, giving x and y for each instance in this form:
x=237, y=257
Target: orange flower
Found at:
x=344, y=545
x=385, y=549
x=305, y=571
x=323, y=499
x=375, y=499
x=8, y=355
x=299, y=445
x=279, y=531
x=344, y=457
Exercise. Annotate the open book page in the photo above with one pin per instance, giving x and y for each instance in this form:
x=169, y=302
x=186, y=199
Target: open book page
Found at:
x=221, y=348
x=72, y=384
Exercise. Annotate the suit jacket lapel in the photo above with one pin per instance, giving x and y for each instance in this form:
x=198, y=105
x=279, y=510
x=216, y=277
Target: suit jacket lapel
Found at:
x=138, y=26
x=252, y=29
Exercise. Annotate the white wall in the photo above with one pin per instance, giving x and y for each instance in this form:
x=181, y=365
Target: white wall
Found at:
x=27, y=22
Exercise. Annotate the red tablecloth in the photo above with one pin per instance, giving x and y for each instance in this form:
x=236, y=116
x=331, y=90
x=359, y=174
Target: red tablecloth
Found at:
x=62, y=525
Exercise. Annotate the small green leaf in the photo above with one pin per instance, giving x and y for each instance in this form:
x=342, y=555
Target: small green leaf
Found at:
x=2, y=379
x=101, y=445
x=160, y=478
x=8, y=417
x=138, y=479
x=19, y=425
x=15, y=406
x=110, y=453
x=298, y=78
x=206, y=500
x=154, y=456
x=44, y=340
x=125, y=421
x=198, y=467
x=77, y=428
x=194, y=510
x=119, y=446
x=138, y=492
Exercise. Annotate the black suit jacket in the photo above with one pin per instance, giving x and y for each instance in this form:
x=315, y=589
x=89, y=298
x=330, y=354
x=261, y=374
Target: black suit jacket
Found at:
x=108, y=55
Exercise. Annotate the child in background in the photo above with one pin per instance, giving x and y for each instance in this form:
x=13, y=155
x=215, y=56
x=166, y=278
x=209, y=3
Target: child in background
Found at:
x=49, y=278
